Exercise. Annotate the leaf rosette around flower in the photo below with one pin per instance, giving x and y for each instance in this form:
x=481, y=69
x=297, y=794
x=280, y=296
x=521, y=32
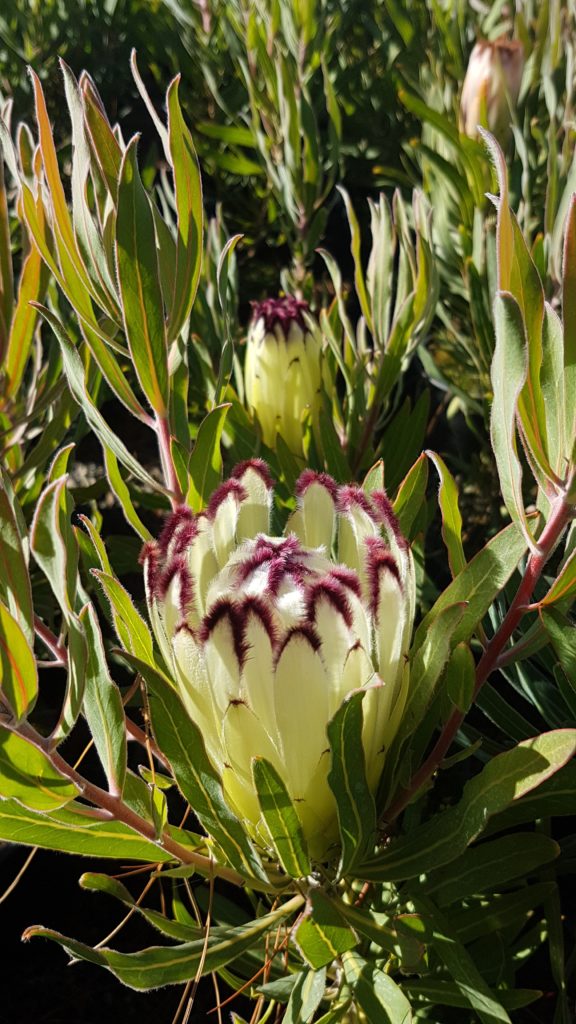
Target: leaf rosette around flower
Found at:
x=266, y=635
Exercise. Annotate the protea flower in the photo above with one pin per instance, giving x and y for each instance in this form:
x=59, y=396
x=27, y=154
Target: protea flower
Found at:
x=491, y=87
x=266, y=635
x=283, y=371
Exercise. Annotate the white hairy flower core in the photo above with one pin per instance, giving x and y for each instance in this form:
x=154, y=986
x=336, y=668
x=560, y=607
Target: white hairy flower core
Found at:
x=266, y=636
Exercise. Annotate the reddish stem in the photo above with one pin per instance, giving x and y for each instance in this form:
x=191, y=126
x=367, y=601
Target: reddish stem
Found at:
x=50, y=641
x=167, y=462
x=561, y=514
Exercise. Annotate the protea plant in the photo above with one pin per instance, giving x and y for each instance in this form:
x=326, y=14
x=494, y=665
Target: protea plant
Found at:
x=266, y=636
x=491, y=87
x=283, y=369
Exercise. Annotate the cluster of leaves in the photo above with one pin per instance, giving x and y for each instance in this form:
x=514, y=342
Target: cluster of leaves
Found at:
x=116, y=313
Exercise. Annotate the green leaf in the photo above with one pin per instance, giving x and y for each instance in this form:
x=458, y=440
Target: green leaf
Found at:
x=305, y=997
x=451, y=518
x=553, y=383
x=355, y=250
x=281, y=819
x=561, y=631
x=429, y=654
x=509, y=372
x=104, y=143
x=478, y=584
x=71, y=831
x=446, y=993
x=32, y=286
x=139, y=280
x=564, y=586
x=461, y=966
x=53, y=543
x=27, y=775
x=14, y=577
x=18, y=675
x=103, y=706
x=170, y=965
x=375, y=992
x=569, y=318
x=489, y=866
x=76, y=381
x=411, y=496
x=348, y=782
x=504, y=910
x=555, y=797
x=121, y=491
x=323, y=934
x=205, y=466
x=75, y=680
x=133, y=632
x=182, y=743
x=503, y=780
x=460, y=677
x=188, y=190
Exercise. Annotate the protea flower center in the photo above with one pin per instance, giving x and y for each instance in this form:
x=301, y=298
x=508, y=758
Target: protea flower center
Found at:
x=266, y=636
x=283, y=370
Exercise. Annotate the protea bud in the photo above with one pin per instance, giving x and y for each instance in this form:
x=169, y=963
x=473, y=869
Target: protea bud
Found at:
x=266, y=636
x=283, y=370
x=491, y=87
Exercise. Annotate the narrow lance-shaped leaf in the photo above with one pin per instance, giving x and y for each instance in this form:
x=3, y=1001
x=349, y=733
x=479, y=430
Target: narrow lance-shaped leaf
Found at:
x=33, y=281
x=451, y=518
x=103, y=705
x=53, y=543
x=169, y=965
x=505, y=778
x=205, y=466
x=281, y=819
x=14, y=577
x=28, y=775
x=569, y=318
x=75, y=376
x=75, y=679
x=18, y=675
x=461, y=966
x=348, y=782
x=509, y=370
x=182, y=743
x=72, y=831
x=132, y=631
x=139, y=279
x=323, y=933
x=188, y=189
x=375, y=992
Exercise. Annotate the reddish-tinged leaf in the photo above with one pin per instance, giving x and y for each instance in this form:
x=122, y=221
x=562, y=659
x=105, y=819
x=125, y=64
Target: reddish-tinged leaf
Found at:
x=140, y=289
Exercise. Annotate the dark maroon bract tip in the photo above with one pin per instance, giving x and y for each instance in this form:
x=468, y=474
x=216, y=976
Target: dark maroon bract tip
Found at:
x=283, y=311
x=258, y=466
x=379, y=559
x=304, y=630
x=309, y=477
x=387, y=516
x=351, y=495
x=182, y=514
x=332, y=591
x=231, y=486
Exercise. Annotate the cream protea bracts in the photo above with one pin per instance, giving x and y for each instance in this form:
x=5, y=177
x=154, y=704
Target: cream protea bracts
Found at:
x=283, y=370
x=267, y=635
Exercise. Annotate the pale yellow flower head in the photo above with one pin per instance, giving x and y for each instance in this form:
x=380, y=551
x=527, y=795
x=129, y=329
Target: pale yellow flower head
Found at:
x=491, y=87
x=266, y=636
x=283, y=370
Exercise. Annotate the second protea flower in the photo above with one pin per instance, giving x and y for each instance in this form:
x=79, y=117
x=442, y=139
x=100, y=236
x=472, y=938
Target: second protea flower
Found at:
x=283, y=370
x=491, y=87
x=266, y=635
